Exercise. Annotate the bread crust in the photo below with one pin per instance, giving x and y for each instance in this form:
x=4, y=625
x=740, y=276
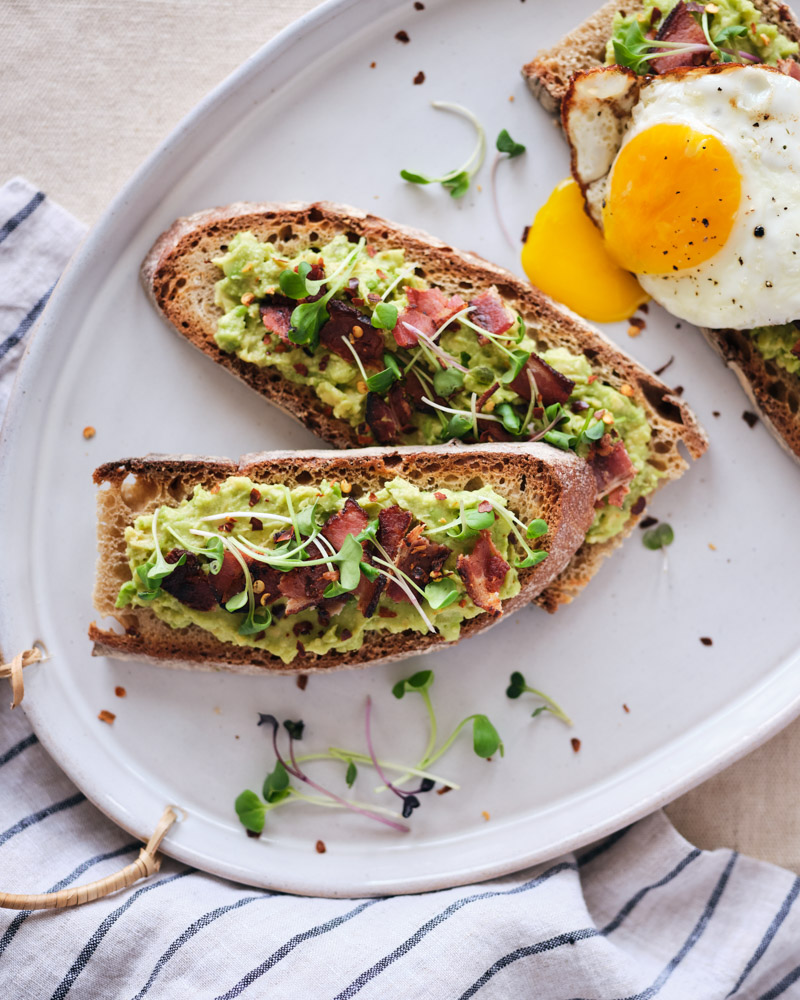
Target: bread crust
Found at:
x=178, y=276
x=534, y=477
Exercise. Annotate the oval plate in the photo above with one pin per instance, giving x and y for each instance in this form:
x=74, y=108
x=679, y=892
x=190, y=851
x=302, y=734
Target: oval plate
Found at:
x=275, y=130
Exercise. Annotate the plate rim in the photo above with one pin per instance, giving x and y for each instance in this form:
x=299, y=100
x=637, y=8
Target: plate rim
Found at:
x=733, y=746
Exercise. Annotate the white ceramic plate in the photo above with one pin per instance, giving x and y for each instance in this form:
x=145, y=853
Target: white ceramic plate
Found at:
x=276, y=130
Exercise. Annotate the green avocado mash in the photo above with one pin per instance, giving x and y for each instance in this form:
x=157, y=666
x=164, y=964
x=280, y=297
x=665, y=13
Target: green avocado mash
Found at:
x=276, y=509
x=776, y=343
x=252, y=273
x=759, y=38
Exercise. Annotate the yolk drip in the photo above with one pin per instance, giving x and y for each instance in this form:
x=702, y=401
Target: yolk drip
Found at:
x=672, y=200
x=565, y=256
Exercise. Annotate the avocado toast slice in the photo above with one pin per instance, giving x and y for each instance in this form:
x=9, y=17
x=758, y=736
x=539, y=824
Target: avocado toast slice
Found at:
x=441, y=344
x=766, y=361
x=313, y=561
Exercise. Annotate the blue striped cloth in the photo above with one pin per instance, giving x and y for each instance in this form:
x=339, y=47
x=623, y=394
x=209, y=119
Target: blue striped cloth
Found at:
x=642, y=914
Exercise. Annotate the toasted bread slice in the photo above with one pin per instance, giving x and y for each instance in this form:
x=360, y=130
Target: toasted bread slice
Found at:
x=536, y=480
x=179, y=276
x=595, y=113
x=549, y=73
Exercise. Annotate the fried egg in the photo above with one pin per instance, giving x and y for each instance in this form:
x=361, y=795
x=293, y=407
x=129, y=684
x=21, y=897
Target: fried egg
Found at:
x=694, y=178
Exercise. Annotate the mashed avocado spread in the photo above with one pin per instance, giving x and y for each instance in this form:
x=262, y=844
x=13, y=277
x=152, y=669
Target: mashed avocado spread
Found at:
x=287, y=569
x=736, y=23
x=468, y=360
x=778, y=344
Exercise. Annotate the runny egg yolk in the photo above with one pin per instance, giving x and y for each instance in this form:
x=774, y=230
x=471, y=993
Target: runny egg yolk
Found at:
x=672, y=200
x=565, y=256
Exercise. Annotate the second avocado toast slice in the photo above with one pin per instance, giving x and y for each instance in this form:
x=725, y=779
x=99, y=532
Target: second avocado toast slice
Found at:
x=365, y=330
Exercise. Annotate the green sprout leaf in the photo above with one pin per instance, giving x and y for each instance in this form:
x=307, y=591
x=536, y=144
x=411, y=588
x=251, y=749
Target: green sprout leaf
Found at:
x=593, y=432
x=442, y=593
x=237, y=602
x=485, y=738
x=413, y=178
x=307, y=320
x=447, y=380
x=457, y=427
x=391, y=363
x=305, y=520
x=477, y=520
x=517, y=685
x=370, y=532
x=511, y=420
x=293, y=283
x=520, y=359
x=294, y=729
x=370, y=572
x=505, y=144
x=559, y=439
x=732, y=31
x=458, y=185
x=382, y=381
x=350, y=556
x=215, y=549
x=531, y=560
x=385, y=316
x=351, y=774
x=418, y=682
x=632, y=48
x=537, y=528
x=658, y=537
x=251, y=811
x=126, y=594
x=276, y=784
x=256, y=621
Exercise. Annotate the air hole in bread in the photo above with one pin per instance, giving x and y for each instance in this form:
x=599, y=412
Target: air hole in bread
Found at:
x=793, y=401
x=476, y=483
x=223, y=248
x=657, y=464
x=272, y=238
x=393, y=460
x=420, y=272
x=356, y=491
x=180, y=282
x=303, y=478
x=353, y=237
x=313, y=237
x=185, y=324
x=286, y=233
x=176, y=488
x=314, y=215
x=777, y=390
x=657, y=398
x=138, y=492
x=662, y=447
x=465, y=284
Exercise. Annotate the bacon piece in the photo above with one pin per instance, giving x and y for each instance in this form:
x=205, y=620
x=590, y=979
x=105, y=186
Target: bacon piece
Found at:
x=493, y=431
x=680, y=26
x=789, y=67
x=390, y=417
x=350, y=520
x=394, y=523
x=344, y=320
x=552, y=386
x=490, y=313
x=419, y=559
x=304, y=586
x=612, y=468
x=270, y=577
x=369, y=593
x=230, y=580
x=414, y=390
x=483, y=573
x=188, y=583
x=434, y=304
x=276, y=319
x=409, y=324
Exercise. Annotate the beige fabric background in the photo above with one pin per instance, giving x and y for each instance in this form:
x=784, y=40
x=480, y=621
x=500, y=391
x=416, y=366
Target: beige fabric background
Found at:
x=89, y=89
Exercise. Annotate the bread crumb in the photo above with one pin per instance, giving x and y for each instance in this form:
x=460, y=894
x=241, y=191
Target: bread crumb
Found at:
x=372, y=65
x=419, y=78
x=302, y=681
x=625, y=708
x=485, y=815
x=107, y=717
x=712, y=546
x=479, y=187
x=320, y=847
x=217, y=710
x=120, y=692
x=89, y=432
x=443, y=790
x=576, y=744
x=706, y=640
x=402, y=36
x=511, y=98
x=634, y=331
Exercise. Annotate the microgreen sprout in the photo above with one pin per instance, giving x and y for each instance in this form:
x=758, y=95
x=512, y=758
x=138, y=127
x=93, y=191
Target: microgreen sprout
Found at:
x=633, y=49
x=659, y=537
x=385, y=316
x=518, y=686
x=536, y=529
x=308, y=318
x=505, y=145
x=455, y=181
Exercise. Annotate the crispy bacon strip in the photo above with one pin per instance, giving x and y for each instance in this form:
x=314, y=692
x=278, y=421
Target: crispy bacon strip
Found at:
x=394, y=523
x=345, y=321
x=612, y=468
x=490, y=313
x=188, y=583
x=427, y=309
x=304, y=586
x=483, y=572
x=553, y=387
x=419, y=559
x=350, y=520
x=680, y=26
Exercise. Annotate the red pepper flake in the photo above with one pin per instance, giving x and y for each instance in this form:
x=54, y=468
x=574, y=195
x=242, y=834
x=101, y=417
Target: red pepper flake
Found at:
x=323, y=362
x=538, y=412
x=227, y=525
x=576, y=744
x=402, y=36
x=626, y=709
x=371, y=251
x=120, y=692
x=256, y=524
x=255, y=496
x=372, y=65
x=440, y=496
x=280, y=347
x=301, y=649
x=463, y=602
x=302, y=628
x=302, y=681
x=590, y=379
x=706, y=641
x=386, y=613
x=320, y=847
x=484, y=507
x=358, y=302
x=419, y=78
x=444, y=790
x=373, y=297
x=345, y=634
x=373, y=498
x=637, y=321
x=107, y=717
x=750, y=418
x=381, y=274
x=301, y=369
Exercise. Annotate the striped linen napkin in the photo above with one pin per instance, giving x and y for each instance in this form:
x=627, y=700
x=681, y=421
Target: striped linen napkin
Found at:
x=642, y=914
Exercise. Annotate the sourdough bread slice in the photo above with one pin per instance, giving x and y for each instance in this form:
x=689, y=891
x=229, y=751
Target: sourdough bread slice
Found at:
x=537, y=481
x=549, y=73
x=179, y=276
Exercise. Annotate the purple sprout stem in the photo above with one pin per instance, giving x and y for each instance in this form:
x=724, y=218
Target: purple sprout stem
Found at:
x=371, y=751
x=296, y=771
